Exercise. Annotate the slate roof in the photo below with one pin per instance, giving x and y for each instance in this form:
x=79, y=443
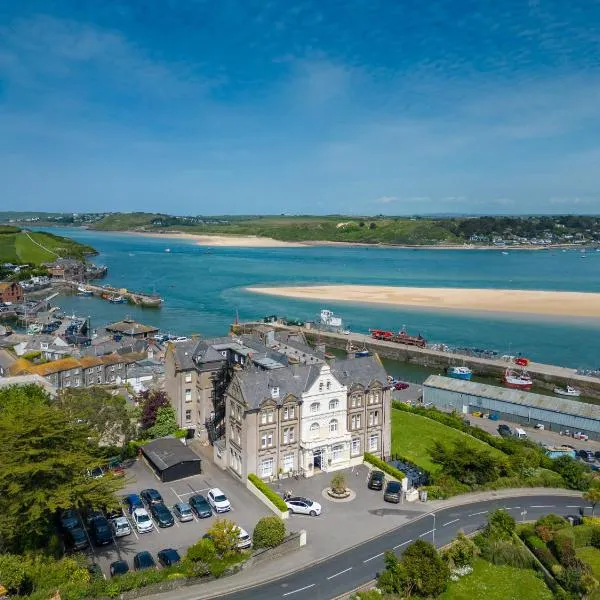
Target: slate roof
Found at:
x=129, y=327
x=364, y=371
x=168, y=452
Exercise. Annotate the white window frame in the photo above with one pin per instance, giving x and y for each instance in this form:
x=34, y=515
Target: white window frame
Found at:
x=333, y=426
x=337, y=453
x=315, y=430
x=373, y=442
x=188, y=395
x=188, y=378
x=315, y=407
x=355, y=448
x=266, y=467
x=288, y=462
x=334, y=404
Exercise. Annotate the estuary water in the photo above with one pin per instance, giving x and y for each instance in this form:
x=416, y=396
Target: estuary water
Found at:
x=204, y=287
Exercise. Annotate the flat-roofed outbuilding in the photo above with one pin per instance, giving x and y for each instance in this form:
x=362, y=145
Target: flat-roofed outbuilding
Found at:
x=171, y=459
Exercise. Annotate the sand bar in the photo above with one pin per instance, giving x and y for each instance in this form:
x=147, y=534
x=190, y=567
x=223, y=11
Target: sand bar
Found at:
x=572, y=304
x=235, y=241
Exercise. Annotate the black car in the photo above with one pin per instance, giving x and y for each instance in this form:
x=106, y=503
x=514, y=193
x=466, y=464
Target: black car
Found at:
x=119, y=567
x=393, y=492
x=200, y=506
x=162, y=515
x=504, y=430
x=168, y=557
x=69, y=519
x=91, y=514
x=100, y=531
x=76, y=539
x=376, y=479
x=151, y=496
x=586, y=455
x=143, y=560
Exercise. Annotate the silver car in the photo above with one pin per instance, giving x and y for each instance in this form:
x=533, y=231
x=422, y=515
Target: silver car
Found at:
x=120, y=527
x=183, y=512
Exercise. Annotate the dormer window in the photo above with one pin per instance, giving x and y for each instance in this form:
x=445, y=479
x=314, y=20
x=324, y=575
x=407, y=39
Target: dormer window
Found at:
x=274, y=392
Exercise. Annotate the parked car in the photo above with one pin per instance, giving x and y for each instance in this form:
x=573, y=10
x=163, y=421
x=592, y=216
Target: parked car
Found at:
x=151, y=496
x=115, y=513
x=100, y=531
x=401, y=385
x=393, y=492
x=218, y=500
x=96, y=473
x=142, y=521
x=133, y=501
x=504, y=430
x=200, y=506
x=162, y=515
x=143, y=560
x=586, y=455
x=69, y=519
x=76, y=539
x=245, y=541
x=376, y=479
x=579, y=435
x=115, y=467
x=184, y=512
x=120, y=527
x=303, y=506
x=119, y=567
x=168, y=557
x=91, y=514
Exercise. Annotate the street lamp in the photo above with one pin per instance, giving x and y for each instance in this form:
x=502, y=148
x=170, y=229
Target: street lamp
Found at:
x=524, y=514
x=433, y=514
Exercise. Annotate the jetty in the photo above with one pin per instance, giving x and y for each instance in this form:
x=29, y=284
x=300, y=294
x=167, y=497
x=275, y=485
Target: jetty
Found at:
x=545, y=376
x=107, y=292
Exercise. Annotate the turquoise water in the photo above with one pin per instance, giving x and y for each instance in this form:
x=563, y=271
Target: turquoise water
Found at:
x=204, y=287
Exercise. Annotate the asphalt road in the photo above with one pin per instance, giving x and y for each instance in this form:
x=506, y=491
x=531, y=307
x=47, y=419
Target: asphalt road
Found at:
x=359, y=565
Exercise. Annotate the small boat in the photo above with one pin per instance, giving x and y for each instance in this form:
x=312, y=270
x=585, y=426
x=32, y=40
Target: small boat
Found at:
x=517, y=381
x=83, y=291
x=505, y=253
x=329, y=356
x=460, y=373
x=329, y=319
x=167, y=249
x=362, y=352
x=568, y=391
x=117, y=299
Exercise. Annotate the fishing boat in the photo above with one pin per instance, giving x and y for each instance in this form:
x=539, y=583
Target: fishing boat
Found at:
x=517, y=381
x=34, y=328
x=83, y=291
x=329, y=319
x=117, y=299
x=460, y=373
x=362, y=352
x=568, y=391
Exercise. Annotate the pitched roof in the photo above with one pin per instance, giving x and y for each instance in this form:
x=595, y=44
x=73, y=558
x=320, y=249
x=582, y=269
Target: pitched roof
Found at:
x=65, y=364
x=4, y=285
x=129, y=327
x=365, y=371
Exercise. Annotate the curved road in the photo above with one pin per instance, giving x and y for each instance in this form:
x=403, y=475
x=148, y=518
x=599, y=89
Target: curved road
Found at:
x=354, y=567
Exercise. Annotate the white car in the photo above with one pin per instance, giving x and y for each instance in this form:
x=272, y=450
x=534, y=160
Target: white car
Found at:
x=141, y=520
x=245, y=539
x=218, y=500
x=303, y=506
x=120, y=526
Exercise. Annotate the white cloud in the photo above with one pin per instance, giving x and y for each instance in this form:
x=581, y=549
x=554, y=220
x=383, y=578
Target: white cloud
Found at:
x=386, y=200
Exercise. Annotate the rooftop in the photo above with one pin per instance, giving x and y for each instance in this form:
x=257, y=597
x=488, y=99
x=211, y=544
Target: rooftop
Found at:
x=28, y=380
x=168, y=452
x=130, y=327
x=494, y=392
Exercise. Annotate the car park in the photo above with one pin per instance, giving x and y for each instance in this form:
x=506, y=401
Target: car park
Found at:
x=586, y=455
x=504, y=430
x=120, y=527
x=119, y=567
x=100, y=531
x=168, y=557
x=133, y=501
x=151, y=496
x=393, y=492
x=91, y=514
x=142, y=521
x=76, y=539
x=69, y=519
x=143, y=560
x=183, y=512
x=217, y=499
x=376, y=479
x=162, y=515
x=200, y=506
x=115, y=513
x=303, y=506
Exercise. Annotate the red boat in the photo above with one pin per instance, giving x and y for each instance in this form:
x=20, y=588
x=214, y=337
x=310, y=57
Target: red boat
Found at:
x=517, y=381
x=522, y=361
x=400, y=338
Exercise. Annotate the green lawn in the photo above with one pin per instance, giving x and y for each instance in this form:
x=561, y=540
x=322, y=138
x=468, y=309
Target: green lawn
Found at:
x=492, y=582
x=591, y=556
x=413, y=435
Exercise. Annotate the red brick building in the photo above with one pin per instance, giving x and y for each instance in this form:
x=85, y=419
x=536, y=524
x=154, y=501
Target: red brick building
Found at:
x=11, y=292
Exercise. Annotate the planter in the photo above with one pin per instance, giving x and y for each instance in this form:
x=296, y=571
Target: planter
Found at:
x=338, y=494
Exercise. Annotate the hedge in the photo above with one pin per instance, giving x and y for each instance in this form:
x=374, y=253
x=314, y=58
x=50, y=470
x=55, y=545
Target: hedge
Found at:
x=381, y=464
x=268, y=492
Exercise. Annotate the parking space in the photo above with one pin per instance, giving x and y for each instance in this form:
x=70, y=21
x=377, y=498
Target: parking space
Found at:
x=348, y=522
x=246, y=511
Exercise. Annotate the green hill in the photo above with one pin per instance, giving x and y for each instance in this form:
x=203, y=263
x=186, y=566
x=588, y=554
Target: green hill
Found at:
x=35, y=247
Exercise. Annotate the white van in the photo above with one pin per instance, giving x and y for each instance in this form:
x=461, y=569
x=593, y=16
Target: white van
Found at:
x=520, y=434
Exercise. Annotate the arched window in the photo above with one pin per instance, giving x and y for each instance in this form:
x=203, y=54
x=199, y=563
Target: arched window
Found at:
x=334, y=404
x=314, y=407
x=333, y=426
x=315, y=430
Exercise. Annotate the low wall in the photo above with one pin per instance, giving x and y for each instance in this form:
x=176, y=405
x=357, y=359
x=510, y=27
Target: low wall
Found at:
x=265, y=500
x=292, y=542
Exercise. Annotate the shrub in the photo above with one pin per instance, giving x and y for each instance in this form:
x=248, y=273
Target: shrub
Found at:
x=461, y=553
x=269, y=532
x=202, y=551
x=595, y=537
x=225, y=537
x=500, y=525
x=338, y=483
x=383, y=466
x=564, y=550
x=506, y=552
x=267, y=492
x=554, y=522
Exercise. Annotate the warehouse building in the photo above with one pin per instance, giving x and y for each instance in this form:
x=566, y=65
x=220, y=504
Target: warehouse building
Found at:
x=525, y=408
x=171, y=459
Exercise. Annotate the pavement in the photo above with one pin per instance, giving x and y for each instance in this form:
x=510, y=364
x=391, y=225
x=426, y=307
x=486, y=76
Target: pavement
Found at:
x=310, y=574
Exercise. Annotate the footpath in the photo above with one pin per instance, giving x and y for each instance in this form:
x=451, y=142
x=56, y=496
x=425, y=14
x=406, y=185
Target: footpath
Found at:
x=310, y=555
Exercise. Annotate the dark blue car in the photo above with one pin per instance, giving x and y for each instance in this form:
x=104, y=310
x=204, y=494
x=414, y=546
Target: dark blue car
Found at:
x=133, y=501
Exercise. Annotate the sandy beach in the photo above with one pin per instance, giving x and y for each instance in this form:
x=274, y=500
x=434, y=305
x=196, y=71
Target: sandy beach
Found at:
x=234, y=241
x=571, y=304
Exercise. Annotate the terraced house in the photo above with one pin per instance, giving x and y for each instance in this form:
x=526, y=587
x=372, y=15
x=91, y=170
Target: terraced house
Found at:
x=307, y=418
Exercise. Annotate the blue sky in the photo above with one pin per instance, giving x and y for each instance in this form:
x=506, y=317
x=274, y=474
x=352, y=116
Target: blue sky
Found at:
x=245, y=106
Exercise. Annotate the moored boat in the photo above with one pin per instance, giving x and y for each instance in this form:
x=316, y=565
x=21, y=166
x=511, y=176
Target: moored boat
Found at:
x=568, y=391
x=117, y=299
x=329, y=319
x=517, y=381
x=83, y=291
x=460, y=373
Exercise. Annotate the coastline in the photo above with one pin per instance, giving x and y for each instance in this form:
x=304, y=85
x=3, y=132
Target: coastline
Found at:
x=547, y=303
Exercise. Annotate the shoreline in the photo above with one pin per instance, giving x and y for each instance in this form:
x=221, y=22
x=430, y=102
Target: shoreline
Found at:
x=536, y=302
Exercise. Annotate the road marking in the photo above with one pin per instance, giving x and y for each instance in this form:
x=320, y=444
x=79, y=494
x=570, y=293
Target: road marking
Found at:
x=483, y=512
x=373, y=557
x=512, y=508
x=450, y=522
x=426, y=533
x=402, y=544
x=178, y=496
x=573, y=506
x=542, y=506
x=340, y=573
x=299, y=590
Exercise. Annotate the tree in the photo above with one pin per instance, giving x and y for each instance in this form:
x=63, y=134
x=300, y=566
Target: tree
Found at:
x=12, y=573
x=44, y=460
x=593, y=497
x=500, y=525
x=105, y=413
x=461, y=552
x=268, y=532
x=152, y=402
x=165, y=423
x=225, y=536
x=572, y=471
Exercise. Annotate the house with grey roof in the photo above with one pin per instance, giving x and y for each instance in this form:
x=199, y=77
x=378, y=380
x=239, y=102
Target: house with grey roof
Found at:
x=306, y=418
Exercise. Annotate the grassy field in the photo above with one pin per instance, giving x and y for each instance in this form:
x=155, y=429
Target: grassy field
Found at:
x=591, y=556
x=413, y=435
x=494, y=582
x=18, y=247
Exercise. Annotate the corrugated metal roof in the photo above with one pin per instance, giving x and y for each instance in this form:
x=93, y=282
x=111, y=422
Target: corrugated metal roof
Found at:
x=494, y=392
